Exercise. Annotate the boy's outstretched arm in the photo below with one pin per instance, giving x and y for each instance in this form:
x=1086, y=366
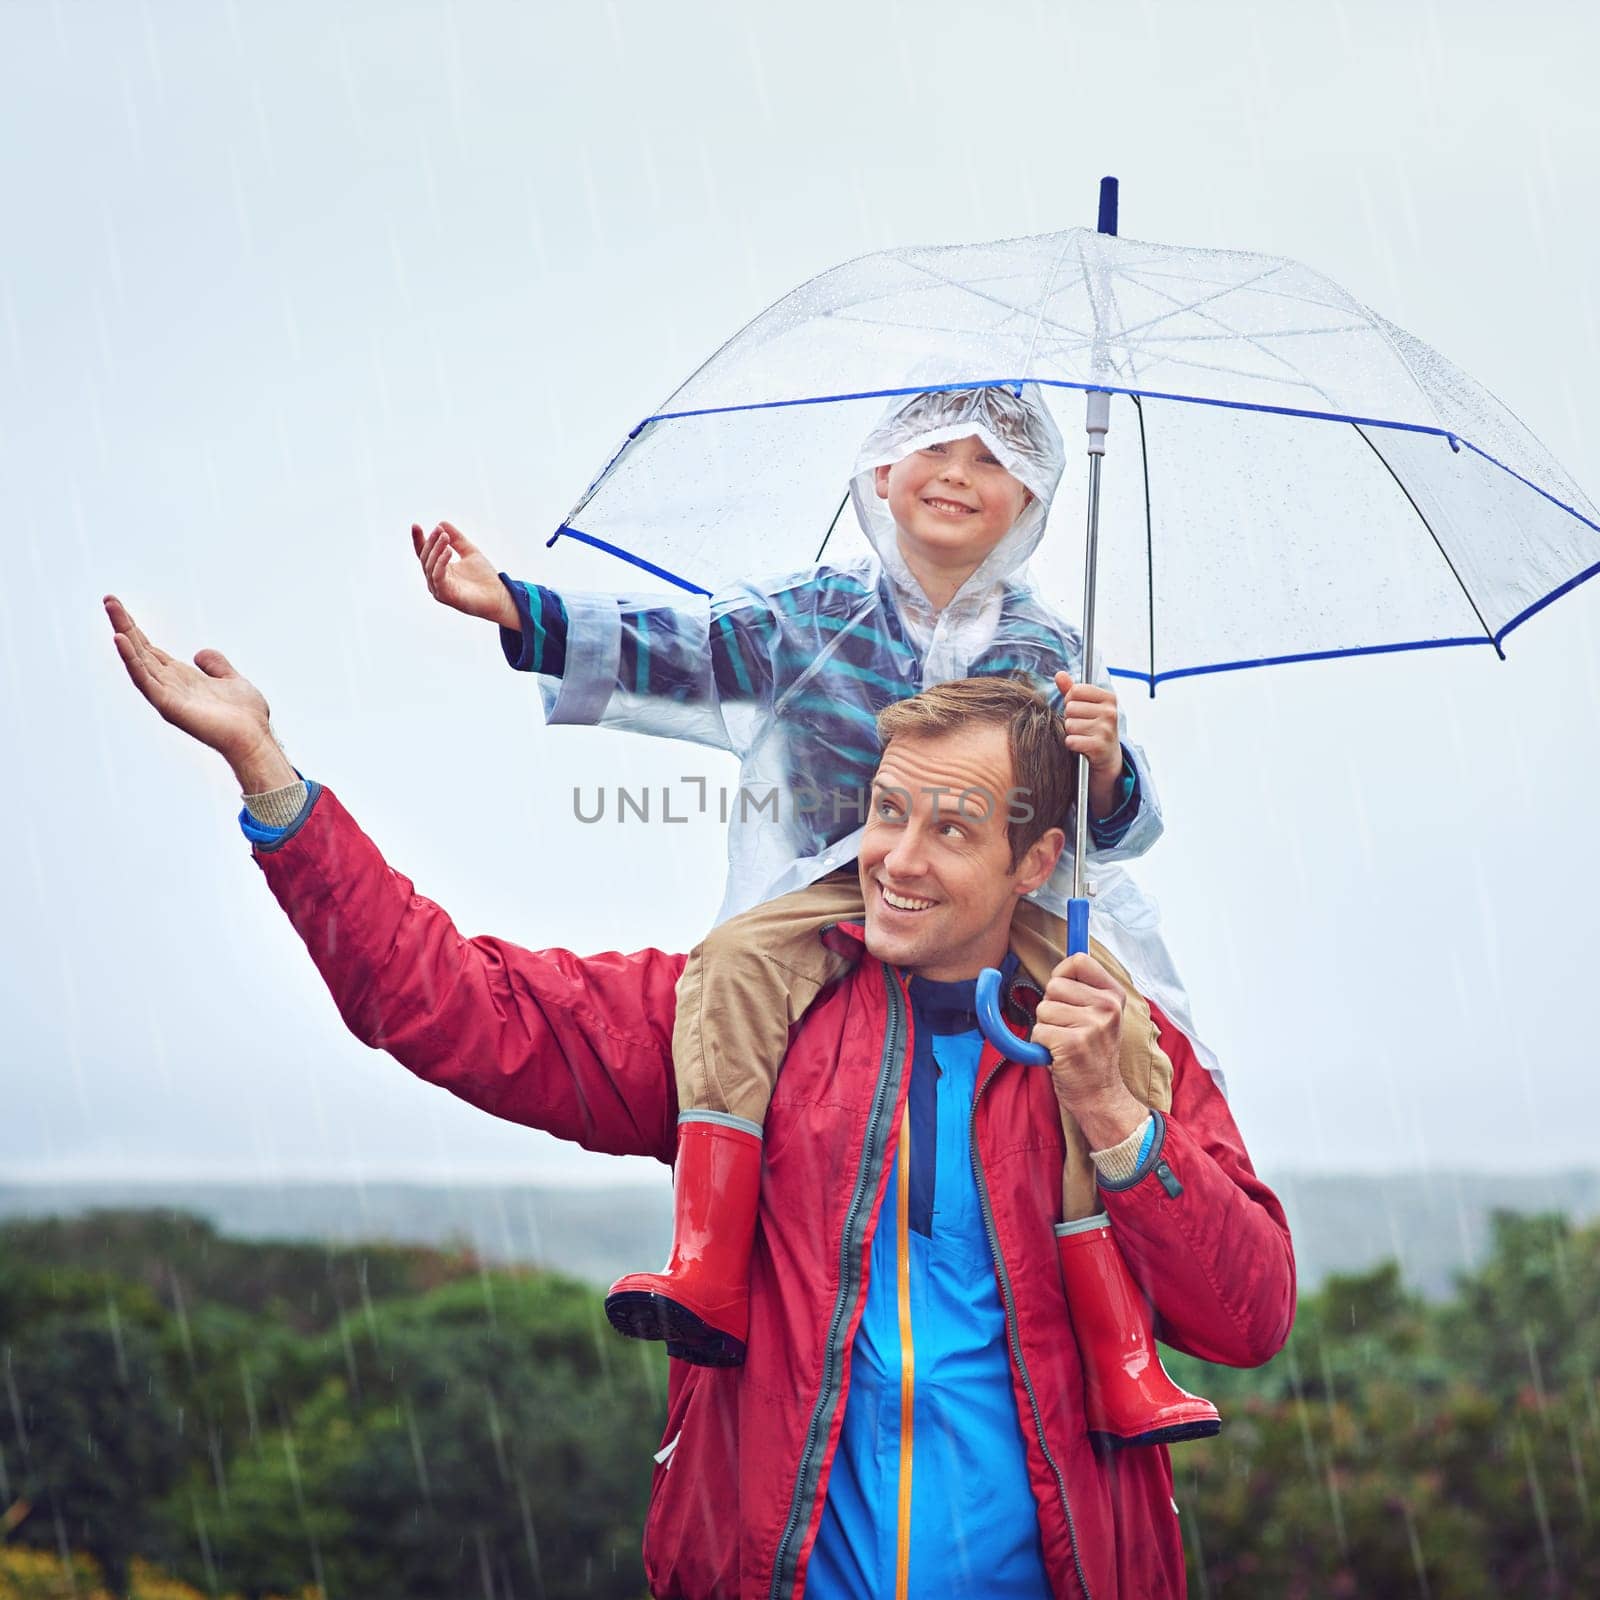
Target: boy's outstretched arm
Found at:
x=652, y=666
x=658, y=665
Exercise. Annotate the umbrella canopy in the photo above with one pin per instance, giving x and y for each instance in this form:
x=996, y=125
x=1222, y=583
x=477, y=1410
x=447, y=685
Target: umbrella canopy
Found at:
x=1290, y=476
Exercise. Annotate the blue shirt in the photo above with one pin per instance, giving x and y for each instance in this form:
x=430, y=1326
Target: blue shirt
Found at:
x=974, y=1526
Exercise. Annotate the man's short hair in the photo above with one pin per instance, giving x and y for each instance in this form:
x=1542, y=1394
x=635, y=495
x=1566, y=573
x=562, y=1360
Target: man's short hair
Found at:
x=1044, y=773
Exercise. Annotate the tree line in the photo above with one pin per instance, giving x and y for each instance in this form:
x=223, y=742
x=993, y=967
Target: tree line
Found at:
x=184, y=1415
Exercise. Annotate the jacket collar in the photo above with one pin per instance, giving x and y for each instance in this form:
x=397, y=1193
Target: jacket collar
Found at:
x=848, y=940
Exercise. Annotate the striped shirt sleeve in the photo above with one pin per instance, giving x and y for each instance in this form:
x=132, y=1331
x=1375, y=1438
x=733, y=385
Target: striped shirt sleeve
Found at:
x=701, y=651
x=540, y=643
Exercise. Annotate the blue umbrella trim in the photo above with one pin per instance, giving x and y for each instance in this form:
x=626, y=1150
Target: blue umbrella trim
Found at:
x=1308, y=655
x=625, y=555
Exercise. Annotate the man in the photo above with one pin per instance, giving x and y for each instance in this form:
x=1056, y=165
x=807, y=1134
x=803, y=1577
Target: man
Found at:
x=913, y=1415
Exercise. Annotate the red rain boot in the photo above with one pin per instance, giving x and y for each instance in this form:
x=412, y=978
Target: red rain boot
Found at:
x=1130, y=1398
x=700, y=1301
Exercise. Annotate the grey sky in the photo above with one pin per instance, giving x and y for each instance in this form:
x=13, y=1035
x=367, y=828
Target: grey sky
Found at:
x=279, y=282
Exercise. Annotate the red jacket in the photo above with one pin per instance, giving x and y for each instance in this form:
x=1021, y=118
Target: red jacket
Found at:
x=582, y=1047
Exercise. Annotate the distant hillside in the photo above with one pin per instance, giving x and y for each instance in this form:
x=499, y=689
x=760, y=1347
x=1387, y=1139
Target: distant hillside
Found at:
x=591, y=1234
x=1433, y=1224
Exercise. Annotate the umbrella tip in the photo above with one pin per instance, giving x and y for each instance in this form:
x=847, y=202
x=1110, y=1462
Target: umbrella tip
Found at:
x=1108, y=205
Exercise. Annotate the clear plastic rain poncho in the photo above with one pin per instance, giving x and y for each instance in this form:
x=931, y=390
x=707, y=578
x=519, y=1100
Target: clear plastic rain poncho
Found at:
x=789, y=673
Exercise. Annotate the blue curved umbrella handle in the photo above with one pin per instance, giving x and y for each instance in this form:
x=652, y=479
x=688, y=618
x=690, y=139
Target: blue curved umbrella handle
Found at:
x=995, y=1029
x=988, y=996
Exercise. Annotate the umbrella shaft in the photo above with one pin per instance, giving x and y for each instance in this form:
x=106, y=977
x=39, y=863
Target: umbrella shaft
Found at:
x=1086, y=668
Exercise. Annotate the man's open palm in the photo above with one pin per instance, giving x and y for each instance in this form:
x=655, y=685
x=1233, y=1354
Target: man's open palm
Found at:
x=209, y=701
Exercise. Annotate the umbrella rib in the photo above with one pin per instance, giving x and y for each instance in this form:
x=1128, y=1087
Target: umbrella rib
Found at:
x=1488, y=632
x=1225, y=285
x=1116, y=311
x=1227, y=334
x=1094, y=336
x=1149, y=543
x=1249, y=339
x=1291, y=377
x=1232, y=335
x=1044, y=300
x=1235, y=372
x=1180, y=306
x=1290, y=382
x=831, y=526
x=920, y=327
x=1275, y=333
x=1422, y=388
x=994, y=299
x=843, y=313
x=964, y=288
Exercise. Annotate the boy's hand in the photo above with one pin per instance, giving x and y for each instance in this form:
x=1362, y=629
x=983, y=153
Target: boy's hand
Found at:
x=459, y=575
x=1091, y=716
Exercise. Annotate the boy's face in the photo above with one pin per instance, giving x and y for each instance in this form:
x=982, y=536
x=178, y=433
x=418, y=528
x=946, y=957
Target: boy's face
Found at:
x=951, y=501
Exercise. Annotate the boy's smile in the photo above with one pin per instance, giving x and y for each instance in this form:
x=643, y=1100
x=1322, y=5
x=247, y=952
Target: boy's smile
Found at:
x=948, y=507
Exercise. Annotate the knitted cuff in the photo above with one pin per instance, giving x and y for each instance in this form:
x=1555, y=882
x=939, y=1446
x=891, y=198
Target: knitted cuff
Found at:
x=277, y=808
x=1121, y=1161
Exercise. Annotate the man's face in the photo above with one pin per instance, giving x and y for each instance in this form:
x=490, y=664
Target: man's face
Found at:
x=935, y=862
x=951, y=501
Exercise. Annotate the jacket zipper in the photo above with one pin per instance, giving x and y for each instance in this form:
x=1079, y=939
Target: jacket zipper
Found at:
x=908, y=1356
x=1011, y=1330
x=872, y=1153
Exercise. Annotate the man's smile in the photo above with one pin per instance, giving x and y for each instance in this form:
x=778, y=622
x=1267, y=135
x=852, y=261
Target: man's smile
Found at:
x=904, y=902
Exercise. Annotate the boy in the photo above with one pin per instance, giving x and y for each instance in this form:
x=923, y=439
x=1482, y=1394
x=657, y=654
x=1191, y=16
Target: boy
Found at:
x=952, y=489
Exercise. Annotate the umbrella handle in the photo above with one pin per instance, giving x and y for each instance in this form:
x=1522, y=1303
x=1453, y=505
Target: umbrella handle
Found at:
x=995, y=1029
x=1077, y=927
x=993, y=1024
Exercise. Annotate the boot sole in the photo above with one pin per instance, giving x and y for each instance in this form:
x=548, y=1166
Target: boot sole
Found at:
x=641, y=1315
x=1176, y=1434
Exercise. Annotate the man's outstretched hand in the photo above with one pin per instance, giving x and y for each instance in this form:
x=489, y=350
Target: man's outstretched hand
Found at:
x=208, y=701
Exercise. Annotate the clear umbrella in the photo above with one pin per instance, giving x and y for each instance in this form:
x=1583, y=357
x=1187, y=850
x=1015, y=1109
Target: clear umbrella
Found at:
x=1309, y=480
x=1302, y=479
